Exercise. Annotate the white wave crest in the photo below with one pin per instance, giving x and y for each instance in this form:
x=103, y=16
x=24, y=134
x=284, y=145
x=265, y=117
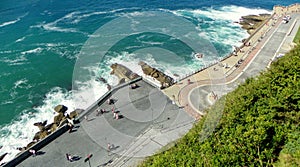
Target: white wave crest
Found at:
x=23, y=83
x=36, y=50
x=20, y=39
x=12, y=21
x=52, y=26
x=9, y=23
x=16, y=61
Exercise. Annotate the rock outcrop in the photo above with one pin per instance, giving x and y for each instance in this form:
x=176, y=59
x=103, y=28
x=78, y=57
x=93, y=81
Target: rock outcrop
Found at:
x=164, y=79
x=123, y=73
x=60, y=108
x=252, y=22
x=59, y=120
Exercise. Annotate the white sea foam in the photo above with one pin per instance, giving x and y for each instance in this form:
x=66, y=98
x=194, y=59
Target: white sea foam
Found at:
x=229, y=13
x=12, y=21
x=7, y=102
x=20, y=39
x=20, y=83
x=6, y=51
x=219, y=26
x=52, y=26
x=36, y=50
x=73, y=18
x=79, y=16
x=9, y=23
x=21, y=131
x=21, y=59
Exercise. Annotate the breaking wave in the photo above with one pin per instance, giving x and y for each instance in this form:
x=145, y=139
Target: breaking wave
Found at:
x=12, y=21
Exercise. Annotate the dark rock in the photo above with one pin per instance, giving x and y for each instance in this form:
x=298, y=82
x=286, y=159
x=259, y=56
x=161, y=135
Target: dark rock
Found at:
x=60, y=108
x=40, y=135
x=122, y=72
x=40, y=125
x=164, y=79
x=252, y=22
x=58, y=118
x=30, y=144
x=63, y=122
x=74, y=113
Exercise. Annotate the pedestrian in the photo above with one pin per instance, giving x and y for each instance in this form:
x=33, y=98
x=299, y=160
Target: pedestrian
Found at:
x=113, y=110
x=110, y=101
x=98, y=112
x=108, y=146
x=70, y=127
x=33, y=152
x=117, y=116
x=69, y=157
x=108, y=87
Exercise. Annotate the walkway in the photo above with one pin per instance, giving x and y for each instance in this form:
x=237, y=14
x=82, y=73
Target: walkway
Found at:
x=148, y=122
x=266, y=44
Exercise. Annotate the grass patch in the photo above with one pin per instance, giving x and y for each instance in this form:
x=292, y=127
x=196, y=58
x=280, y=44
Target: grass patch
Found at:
x=297, y=37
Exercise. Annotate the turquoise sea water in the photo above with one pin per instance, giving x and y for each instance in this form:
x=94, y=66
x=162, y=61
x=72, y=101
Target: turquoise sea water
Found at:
x=40, y=41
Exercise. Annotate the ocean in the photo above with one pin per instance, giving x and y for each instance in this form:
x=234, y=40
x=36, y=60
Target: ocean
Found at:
x=41, y=40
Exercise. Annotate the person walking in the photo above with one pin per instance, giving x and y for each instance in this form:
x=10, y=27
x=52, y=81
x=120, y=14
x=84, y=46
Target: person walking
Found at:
x=33, y=152
x=69, y=157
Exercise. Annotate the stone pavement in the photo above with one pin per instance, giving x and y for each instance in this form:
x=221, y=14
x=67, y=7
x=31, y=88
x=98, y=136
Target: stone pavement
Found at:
x=149, y=121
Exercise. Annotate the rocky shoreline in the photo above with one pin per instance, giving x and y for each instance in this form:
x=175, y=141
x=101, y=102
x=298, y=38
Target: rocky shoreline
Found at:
x=125, y=74
x=252, y=22
x=59, y=120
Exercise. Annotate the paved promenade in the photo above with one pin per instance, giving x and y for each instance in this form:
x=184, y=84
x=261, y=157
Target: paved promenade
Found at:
x=148, y=121
x=272, y=39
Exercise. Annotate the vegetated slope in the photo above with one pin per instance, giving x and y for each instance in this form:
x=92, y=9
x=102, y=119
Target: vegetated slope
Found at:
x=259, y=125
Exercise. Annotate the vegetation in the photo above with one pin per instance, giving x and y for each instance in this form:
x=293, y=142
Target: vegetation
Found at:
x=297, y=37
x=259, y=125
